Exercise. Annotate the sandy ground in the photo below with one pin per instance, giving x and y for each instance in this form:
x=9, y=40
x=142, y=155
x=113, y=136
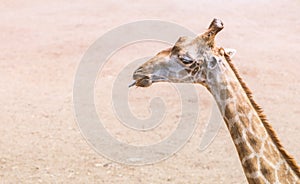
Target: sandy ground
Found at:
x=42, y=44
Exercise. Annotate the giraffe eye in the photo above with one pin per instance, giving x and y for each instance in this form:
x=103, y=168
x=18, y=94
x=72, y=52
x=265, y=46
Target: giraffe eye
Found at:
x=185, y=59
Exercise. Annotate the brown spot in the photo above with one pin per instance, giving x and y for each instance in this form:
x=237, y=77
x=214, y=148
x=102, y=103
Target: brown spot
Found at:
x=240, y=96
x=234, y=86
x=267, y=171
x=243, y=104
x=193, y=65
x=251, y=165
x=270, y=153
x=243, y=108
x=257, y=126
x=284, y=176
x=257, y=180
x=255, y=143
x=225, y=94
x=282, y=173
x=188, y=70
x=236, y=131
x=243, y=150
x=230, y=111
x=244, y=121
x=195, y=71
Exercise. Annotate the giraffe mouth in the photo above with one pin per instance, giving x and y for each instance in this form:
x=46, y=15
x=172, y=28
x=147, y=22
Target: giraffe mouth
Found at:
x=141, y=81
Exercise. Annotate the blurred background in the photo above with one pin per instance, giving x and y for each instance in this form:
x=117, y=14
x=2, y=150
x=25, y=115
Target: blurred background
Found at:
x=43, y=42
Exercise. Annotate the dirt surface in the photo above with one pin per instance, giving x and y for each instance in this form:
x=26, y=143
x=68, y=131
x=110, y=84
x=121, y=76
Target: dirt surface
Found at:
x=42, y=44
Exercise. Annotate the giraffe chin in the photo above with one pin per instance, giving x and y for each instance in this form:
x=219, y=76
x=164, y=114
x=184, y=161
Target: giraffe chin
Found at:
x=144, y=82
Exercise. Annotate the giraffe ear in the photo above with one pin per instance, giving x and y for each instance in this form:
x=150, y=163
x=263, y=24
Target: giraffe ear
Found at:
x=230, y=52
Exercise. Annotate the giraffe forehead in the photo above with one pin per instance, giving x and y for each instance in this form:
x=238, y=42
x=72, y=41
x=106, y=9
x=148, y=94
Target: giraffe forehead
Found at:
x=189, y=44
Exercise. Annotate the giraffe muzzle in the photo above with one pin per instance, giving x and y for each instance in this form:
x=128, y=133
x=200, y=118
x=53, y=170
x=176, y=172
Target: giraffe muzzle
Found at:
x=141, y=81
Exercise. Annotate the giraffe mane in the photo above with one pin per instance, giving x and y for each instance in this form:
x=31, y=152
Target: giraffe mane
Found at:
x=289, y=159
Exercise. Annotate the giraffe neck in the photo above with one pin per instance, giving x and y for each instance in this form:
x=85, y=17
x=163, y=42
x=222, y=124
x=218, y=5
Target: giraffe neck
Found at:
x=261, y=157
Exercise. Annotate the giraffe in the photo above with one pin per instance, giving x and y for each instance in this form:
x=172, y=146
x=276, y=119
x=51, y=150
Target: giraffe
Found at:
x=198, y=60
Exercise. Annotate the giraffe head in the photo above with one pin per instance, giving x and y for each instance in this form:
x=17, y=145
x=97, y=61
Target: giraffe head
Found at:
x=186, y=62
